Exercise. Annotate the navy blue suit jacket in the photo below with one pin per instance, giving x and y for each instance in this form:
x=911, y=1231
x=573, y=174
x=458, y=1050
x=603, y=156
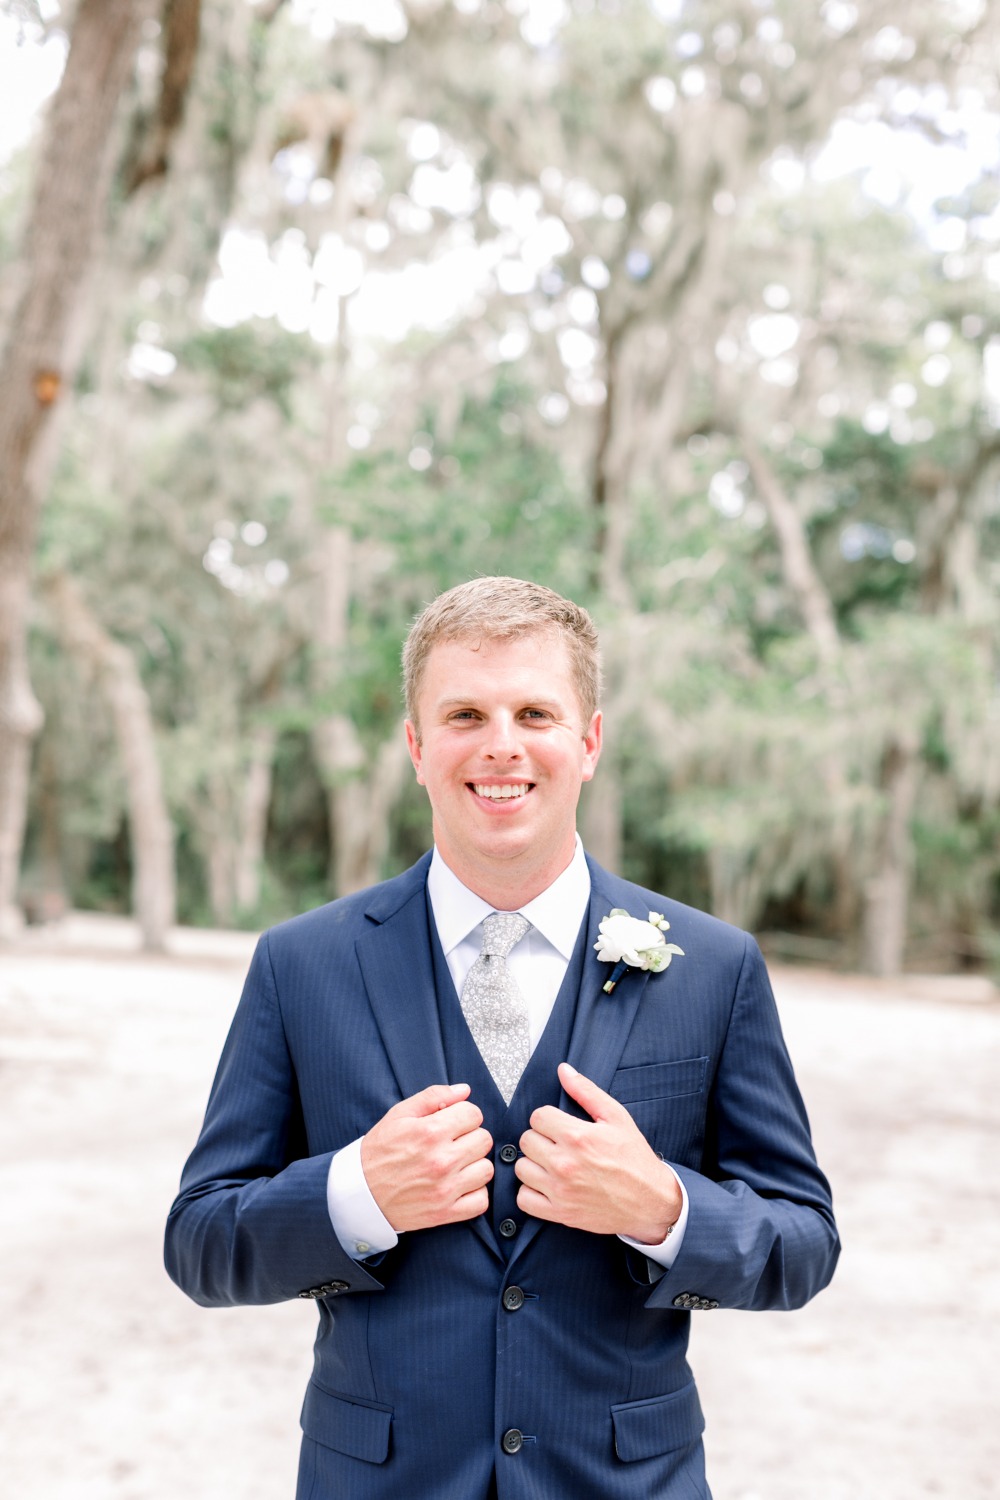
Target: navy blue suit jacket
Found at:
x=420, y=1369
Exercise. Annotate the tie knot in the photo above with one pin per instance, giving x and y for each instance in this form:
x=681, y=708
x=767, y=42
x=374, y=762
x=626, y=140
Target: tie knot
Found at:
x=501, y=930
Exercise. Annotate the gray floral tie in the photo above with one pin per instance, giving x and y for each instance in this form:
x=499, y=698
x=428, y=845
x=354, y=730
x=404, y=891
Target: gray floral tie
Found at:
x=494, y=1006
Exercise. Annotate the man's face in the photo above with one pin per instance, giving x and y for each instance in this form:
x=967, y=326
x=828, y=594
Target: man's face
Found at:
x=503, y=753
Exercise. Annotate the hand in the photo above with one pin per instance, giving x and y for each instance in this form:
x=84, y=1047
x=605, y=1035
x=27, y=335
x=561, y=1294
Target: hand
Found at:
x=600, y=1174
x=425, y=1161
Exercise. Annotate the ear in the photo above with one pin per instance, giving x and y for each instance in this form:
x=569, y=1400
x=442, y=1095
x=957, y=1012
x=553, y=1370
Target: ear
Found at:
x=413, y=746
x=592, y=741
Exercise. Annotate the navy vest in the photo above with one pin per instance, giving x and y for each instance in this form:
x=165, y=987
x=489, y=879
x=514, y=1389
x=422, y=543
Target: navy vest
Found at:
x=539, y=1084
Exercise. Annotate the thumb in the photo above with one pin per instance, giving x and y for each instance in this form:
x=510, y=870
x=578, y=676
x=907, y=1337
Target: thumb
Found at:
x=430, y=1100
x=598, y=1104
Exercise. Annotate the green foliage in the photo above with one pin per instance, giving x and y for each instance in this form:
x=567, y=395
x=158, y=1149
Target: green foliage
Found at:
x=494, y=499
x=249, y=362
x=197, y=507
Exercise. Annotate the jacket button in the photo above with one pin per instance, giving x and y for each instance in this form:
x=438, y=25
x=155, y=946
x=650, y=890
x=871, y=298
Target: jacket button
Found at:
x=508, y=1154
x=335, y=1287
x=508, y=1229
x=511, y=1440
x=513, y=1298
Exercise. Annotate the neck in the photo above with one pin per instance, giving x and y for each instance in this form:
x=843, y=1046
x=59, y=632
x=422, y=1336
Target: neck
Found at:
x=508, y=889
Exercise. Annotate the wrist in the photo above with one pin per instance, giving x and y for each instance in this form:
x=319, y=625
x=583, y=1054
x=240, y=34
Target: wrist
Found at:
x=664, y=1211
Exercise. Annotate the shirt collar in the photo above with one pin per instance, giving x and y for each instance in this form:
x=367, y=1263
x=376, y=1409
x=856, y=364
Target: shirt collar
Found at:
x=556, y=913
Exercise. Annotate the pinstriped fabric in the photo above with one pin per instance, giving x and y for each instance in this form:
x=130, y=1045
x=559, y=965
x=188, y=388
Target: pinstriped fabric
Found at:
x=421, y=1367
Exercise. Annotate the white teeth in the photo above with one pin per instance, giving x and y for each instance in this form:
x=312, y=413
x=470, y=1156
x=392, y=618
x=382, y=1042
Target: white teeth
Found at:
x=500, y=793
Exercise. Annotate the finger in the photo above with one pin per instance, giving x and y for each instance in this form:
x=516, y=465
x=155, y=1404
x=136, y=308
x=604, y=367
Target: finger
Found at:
x=550, y=1122
x=443, y=1161
x=469, y=1191
x=456, y=1120
x=470, y=1205
x=474, y=1175
x=430, y=1100
x=531, y=1173
x=473, y=1146
x=598, y=1104
x=536, y=1147
x=534, y=1203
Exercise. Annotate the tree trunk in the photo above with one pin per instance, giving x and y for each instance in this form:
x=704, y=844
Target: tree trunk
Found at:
x=359, y=801
x=181, y=22
x=799, y=571
x=150, y=829
x=360, y=789
x=256, y=803
x=819, y=617
x=66, y=215
x=601, y=816
x=609, y=484
x=887, y=891
x=219, y=844
x=733, y=895
x=44, y=898
x=20, y=721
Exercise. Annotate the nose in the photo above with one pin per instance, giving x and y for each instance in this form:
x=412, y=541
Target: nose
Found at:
x=502, y=742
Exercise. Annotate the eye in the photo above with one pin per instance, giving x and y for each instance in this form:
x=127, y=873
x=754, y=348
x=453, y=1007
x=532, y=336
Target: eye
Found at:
x=535, y=713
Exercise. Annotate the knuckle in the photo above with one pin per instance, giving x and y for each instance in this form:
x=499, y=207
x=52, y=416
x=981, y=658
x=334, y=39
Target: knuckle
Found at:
x=440, y=1197
x=437, y=1162
x=567, y=1168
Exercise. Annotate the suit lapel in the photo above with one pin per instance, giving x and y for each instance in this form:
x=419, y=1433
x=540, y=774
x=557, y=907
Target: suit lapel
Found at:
x=602, y=1022
x=398, y=971
x=395, y=959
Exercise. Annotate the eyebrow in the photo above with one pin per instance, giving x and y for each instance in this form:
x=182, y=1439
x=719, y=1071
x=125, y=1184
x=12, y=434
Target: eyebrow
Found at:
x=472, y=702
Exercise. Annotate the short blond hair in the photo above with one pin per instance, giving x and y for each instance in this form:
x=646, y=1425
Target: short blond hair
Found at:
x=504, y=609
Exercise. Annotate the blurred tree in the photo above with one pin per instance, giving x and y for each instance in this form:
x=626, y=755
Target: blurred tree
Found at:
x=41, y=354
x=572, y=291
x=114, y=668
x=176, y=27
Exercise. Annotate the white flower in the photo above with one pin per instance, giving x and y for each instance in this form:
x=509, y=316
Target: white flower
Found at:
x=641, y=945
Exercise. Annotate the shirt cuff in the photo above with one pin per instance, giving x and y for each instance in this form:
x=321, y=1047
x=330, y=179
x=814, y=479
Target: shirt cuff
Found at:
x=358, y=1222
x=662, y=1256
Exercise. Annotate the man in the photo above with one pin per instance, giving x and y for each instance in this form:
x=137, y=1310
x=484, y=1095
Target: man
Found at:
x=506, y=1171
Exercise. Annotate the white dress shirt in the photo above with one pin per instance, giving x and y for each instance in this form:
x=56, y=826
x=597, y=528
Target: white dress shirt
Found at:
x=538, y=964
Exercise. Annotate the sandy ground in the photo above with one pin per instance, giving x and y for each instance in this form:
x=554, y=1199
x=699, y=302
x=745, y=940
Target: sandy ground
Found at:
x=114, y=1387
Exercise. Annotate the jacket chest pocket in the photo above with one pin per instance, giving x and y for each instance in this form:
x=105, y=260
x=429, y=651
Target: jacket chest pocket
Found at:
x=667, y=1101
x=668, y=1080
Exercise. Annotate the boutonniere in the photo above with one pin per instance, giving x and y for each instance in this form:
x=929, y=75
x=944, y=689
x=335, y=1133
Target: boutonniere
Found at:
x=627, y=942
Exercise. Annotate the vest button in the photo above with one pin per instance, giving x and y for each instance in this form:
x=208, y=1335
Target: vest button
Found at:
x=513, y=1298
x=508, y=1228
x=508, y=1153
x=511, y=1440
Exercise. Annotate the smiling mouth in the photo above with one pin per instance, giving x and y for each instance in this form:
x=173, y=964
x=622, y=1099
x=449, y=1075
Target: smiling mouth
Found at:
x=508, y=792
